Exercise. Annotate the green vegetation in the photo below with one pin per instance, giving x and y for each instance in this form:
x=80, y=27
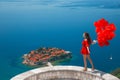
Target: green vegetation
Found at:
x=116, y=73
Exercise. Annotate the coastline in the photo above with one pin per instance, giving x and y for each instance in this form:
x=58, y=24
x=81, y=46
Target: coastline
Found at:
x=116, y=72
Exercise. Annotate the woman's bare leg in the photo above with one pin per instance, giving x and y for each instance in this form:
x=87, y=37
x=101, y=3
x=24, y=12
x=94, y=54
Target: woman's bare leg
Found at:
x=85, y=62
x=90, y=60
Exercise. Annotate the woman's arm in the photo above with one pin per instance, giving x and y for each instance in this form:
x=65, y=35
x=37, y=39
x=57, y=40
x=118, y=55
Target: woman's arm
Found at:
x=94, y=41
x=88, y=49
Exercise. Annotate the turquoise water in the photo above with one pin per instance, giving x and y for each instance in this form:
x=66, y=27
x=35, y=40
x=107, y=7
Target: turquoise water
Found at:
x=27, y=25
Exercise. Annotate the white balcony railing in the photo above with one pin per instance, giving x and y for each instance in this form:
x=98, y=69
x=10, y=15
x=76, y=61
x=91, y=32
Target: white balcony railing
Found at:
x=63, y=73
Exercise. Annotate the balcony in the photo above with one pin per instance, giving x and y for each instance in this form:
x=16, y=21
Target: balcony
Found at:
x=63, y=73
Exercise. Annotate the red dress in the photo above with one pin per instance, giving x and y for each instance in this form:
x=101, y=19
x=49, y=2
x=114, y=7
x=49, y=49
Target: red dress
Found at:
x=84, y=50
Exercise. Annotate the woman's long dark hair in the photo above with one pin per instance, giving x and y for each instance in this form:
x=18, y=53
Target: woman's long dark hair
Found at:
x=87, y=36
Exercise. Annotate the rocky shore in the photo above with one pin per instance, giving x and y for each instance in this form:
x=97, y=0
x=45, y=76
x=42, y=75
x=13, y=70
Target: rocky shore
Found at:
x=44, y=55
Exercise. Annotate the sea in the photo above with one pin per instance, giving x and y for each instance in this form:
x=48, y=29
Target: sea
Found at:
x=27, y=25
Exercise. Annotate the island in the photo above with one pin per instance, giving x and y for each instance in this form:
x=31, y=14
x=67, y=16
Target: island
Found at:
x=44, y=55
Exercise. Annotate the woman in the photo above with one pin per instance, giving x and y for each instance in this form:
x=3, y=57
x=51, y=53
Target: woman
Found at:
x=86, y=51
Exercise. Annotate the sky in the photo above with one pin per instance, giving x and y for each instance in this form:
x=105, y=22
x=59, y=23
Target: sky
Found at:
x=66, y=3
